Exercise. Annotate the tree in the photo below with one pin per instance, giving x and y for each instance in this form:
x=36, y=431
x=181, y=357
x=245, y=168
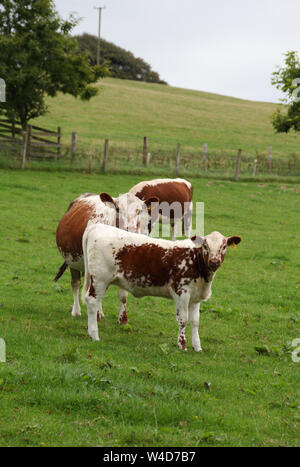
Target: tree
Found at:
x=123, y=64
x=39, y=57
x=287, y=80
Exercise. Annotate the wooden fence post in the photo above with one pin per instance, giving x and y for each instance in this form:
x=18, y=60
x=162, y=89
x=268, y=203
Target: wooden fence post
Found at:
x=73, y=149
x=58, y=140
x=29, y=130
x=254, y=168
x=238, y=165
x=204, y=156
x=90, y=162
x=24, y=148
x=177, y=159
x=270, y=160
x=145, y=151
x=105, y=156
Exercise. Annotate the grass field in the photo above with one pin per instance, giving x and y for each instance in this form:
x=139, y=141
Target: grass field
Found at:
x=126, y=111
x=134, y=387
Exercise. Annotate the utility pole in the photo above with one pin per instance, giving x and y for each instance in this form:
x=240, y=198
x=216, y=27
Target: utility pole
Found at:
x=99, y=8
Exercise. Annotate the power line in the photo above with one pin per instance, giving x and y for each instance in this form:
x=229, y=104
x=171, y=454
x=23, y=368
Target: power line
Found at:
x=99, y=8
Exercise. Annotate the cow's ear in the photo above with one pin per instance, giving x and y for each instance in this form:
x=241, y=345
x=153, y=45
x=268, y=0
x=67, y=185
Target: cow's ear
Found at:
x=107, y=200
x=197, y=240
x=233, y=241
x=153, y=199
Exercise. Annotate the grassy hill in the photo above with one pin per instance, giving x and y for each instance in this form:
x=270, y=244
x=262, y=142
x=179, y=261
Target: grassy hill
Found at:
x=125, y=111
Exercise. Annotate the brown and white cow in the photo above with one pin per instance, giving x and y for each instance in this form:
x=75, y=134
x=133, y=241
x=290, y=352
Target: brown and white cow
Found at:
x=175, y=197
x=126, y=212
x=182, y=270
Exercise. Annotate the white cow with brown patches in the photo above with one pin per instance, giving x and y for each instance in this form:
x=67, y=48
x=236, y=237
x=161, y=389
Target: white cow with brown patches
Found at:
x=126, y=212
x=182, y=271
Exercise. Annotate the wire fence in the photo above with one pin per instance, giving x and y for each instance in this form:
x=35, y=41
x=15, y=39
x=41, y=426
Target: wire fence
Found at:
x=149, y=159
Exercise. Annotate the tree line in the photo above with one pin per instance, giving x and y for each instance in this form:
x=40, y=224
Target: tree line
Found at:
x=122, y=63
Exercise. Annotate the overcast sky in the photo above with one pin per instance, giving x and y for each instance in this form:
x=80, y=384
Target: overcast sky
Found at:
x=227, y=47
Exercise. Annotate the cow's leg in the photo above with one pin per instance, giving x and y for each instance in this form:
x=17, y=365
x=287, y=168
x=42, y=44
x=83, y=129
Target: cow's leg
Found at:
x=75, y=282
x=92, y=310
x=100, y=313
x=123, y=319
x=181, y=306
x=93, y=300
x=188, y=219
x=174, y=230
x=194, y=315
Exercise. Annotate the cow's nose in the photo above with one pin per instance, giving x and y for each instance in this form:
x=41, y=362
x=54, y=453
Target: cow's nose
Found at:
x=214, y=263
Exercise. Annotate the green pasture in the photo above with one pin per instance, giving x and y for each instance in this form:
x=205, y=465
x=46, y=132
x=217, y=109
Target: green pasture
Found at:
x=126, y=111
x=134, y=387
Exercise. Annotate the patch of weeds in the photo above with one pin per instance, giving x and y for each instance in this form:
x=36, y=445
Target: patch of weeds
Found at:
x=252, y=392
x=58, y=288
x=211, y=437
x=295, y=318
x=104, y=381
x=24, y=238
x=220, y=312
x=266, y=350
x=216, y=311
x=277, y=262
x=208, y=397
x=6, y=386
x=91, y=379
x=70, y=356
x=275, y=405
x=29, y=428
x=165, y=393
x=164, y=348
x=126, y=328
x=293, y=405
x=106, y=365
x=148, y=373
x=284, y=404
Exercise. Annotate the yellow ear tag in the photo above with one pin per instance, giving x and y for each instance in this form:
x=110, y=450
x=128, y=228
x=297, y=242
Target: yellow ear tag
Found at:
x=232, y=246
x=149, y=207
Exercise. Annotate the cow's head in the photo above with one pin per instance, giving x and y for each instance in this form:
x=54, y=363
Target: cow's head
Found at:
x=132, y=214
x=213, y=248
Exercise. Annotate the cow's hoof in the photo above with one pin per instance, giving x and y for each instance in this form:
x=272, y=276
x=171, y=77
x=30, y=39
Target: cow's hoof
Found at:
x=94, y=336
x=197, y=349
x=124, y=322
x=76, y=313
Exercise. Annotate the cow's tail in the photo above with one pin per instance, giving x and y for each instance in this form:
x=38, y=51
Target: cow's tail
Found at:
x=60, y=271
x=87, y=277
